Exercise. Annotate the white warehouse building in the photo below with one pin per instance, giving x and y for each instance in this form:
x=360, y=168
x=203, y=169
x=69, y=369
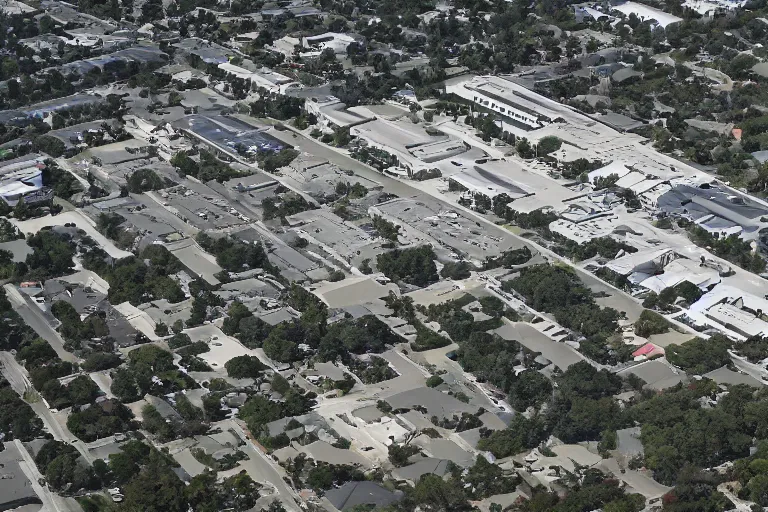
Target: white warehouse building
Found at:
x=514, y=105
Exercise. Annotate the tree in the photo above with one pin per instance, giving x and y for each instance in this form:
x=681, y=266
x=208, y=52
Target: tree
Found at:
x=486, y=479
x=275, y=506
x=199, y=492
x=155, y=489
x=51, y=254
x=457, y=270
x=521, y=434
x=280, y=349
x=651, y=323
x=385, y=228
x=144, y=180
x=399, y=454
x=699, y=356
x=99, y=361
x=548, y=145
x=524, y=148
x=434, y=381
x=529, y=389
x=244, y=367
x=414, y=265
x=758, y=489
x=46, y=24
x=124, y=386
x=237, y=312
x=151, y=10
x=433, y=494
x=21, y=211
x=50, y=145
x=82, y=390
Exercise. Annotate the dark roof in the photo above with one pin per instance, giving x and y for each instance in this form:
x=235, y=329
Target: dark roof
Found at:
x=352, y=494
x=15, y=488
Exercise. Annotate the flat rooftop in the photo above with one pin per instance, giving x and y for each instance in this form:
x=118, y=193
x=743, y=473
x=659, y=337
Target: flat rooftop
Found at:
x=710, y=198
x=658, y=374
x=398, y=135
x=331, y=231
x=646, y=12
x=448, y=228
x=481, y=180
x=229, y=133
x=15, y=488
x=560, y=354
x=541, y=189
x=512, y=94
x=352, y=291
x=437, y=403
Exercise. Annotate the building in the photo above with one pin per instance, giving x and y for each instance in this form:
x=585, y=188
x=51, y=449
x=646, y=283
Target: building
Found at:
x=15, y=8
x=263, y=79
x=658, y=269
x=23, y=178
x=717, y=209
x=24, y=116
x=331, y=40
x=15, y=488
x=210, y=53
x=286, y=45
x=357, y=494
x=647, y=13
x=413, y=148
x=732, y=310
x=512, y=103
x=332, y=113
x=584, y=13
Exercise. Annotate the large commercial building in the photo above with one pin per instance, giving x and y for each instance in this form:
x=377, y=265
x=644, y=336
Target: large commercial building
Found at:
x=264, y=78
x=512, y=103
x=23, y=177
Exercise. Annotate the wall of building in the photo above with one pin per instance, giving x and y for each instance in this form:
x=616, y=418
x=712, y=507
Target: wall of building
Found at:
x=510, y=114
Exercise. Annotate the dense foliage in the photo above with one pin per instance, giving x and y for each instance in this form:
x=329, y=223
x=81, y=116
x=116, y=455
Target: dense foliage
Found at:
x=206, y=168
x=556, y=289
x=100, y=420
x=235, y=255
x=699, y=356
x=139, y=279
x=415, y=266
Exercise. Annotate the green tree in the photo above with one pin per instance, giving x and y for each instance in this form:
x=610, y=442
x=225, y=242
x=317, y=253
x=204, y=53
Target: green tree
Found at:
x=548, y=145
x=244, y=367
x=155, y=489
x=433, y=494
